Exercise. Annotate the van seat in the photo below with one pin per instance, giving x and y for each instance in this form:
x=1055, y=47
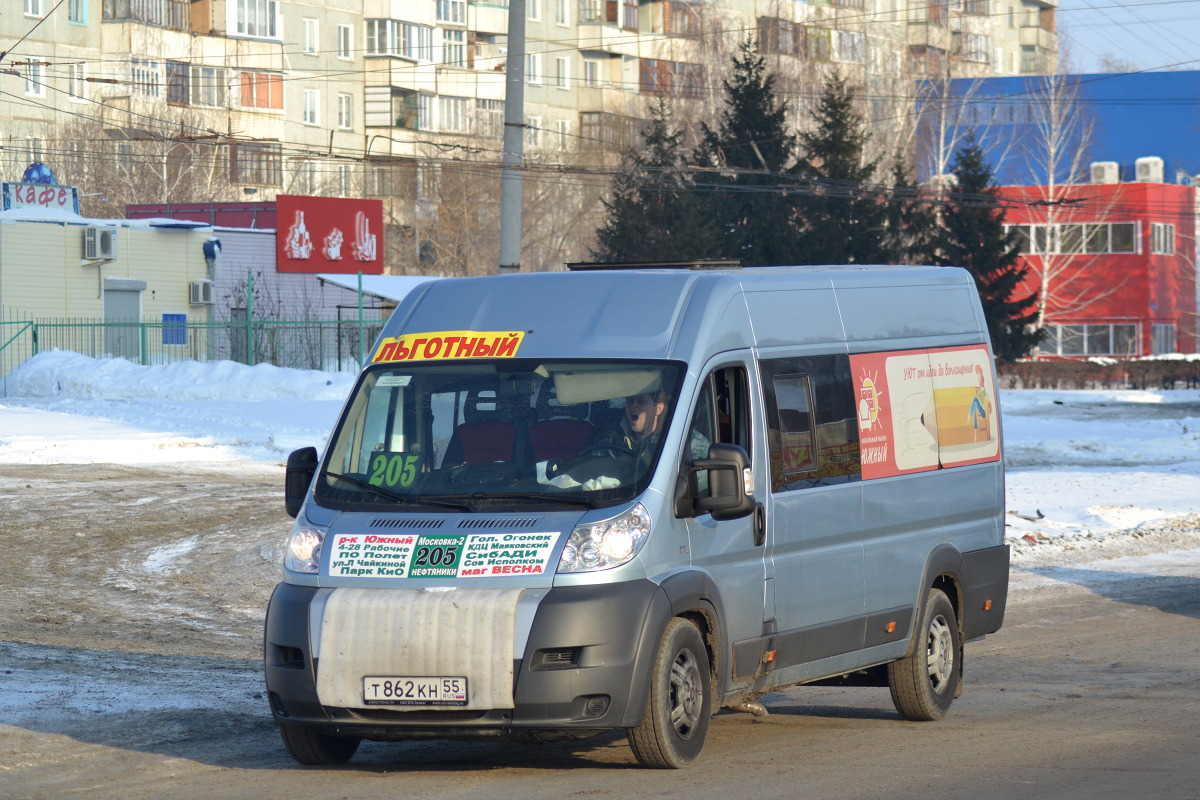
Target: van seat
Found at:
x=559, y=438
x=481, y=443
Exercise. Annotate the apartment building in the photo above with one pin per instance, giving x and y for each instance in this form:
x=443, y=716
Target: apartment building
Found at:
x=184, y=100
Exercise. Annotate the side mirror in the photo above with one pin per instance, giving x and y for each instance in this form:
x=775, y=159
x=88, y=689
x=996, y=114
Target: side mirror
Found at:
x=301, y=466
x=730, y=484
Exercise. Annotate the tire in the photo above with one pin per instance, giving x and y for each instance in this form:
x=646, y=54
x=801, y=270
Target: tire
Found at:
x=925, y=682
x=679, y=704
x=309, y=747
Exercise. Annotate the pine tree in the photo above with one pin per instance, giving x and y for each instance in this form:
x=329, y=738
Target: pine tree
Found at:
x=911, y=222
x=973, y=237
x=653, y=214
x=842, y=215
x=744, y=161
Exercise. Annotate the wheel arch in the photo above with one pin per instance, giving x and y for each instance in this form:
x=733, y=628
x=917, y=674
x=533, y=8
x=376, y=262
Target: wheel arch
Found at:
x=694, y=596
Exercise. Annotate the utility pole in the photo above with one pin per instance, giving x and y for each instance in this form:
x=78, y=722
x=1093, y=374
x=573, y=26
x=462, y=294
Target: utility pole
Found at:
x=514, y=141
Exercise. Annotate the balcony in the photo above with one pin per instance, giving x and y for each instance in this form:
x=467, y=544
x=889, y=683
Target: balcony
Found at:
x=171, y=14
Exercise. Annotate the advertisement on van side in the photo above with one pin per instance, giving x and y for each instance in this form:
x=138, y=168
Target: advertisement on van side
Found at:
x=920, y=410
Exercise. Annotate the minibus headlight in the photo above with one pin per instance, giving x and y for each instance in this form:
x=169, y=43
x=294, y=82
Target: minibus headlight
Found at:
x=607, y=544
x=304, y=549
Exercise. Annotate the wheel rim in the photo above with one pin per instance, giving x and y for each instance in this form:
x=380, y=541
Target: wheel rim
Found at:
x=687, y=694
x=940, y=655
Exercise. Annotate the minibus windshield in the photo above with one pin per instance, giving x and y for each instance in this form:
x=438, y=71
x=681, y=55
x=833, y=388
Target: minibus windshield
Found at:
x=499, y=434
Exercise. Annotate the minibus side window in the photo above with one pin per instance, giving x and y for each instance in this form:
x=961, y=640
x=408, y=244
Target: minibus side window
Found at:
x=812, y=428
x=722, y=416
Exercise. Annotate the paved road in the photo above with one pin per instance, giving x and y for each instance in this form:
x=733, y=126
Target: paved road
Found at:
x=1091, y=690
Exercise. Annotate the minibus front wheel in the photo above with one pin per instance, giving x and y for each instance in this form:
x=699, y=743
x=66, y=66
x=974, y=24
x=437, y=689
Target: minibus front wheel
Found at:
x=309, y=747
x=679, y=705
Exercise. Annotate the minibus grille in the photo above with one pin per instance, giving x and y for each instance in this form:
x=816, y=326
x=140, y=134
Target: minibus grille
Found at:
x=403, y=522
x=525, y=522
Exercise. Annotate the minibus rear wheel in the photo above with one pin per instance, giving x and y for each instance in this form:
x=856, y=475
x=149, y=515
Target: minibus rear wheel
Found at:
x=309, y=747
x=925, y=682
x=679, y=705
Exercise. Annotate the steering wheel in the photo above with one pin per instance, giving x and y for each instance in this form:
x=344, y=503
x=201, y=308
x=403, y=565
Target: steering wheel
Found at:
x=613, y=450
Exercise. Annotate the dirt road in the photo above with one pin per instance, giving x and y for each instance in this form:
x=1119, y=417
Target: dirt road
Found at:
x=131, y=605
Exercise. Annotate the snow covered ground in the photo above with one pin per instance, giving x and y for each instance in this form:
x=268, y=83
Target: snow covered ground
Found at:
x=1086, y=469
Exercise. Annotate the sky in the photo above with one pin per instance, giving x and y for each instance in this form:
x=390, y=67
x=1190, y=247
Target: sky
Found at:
x=1085, y=469
x=1142, y=34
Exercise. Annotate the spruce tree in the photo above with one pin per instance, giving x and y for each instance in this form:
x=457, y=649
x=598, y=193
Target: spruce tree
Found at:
x=973, y=237
x=842, y=214
x=652, y=214
x=744, y=162
x=911, y=222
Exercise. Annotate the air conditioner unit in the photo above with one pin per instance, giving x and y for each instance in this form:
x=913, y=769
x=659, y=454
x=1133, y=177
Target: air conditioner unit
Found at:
x=201, y=293
x=99, y=244
x=1106, y=172
x=1149, y=169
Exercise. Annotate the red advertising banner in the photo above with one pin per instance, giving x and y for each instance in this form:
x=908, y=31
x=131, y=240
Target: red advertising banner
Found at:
x=329, y=234
x=921, y=409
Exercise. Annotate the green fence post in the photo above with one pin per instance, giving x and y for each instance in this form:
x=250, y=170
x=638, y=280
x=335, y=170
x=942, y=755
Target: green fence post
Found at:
x=250, y=319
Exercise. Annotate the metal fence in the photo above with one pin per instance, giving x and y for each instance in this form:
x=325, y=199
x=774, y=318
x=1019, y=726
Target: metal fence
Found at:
x=330, y=345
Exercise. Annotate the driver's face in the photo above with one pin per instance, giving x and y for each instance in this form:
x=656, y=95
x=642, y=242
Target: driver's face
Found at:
x=643, y=414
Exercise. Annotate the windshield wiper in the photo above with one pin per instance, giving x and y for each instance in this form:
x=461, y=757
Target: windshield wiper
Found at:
x=546, y=498
x=397, y=497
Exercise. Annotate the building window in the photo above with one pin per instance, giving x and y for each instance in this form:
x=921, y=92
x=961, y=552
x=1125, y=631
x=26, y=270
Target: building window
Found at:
x=489, y=118
x=34, y=8
x=975, y=47
x=851, y=47
x=1162, y=238
x=259, y=163
x=257, y=18
x=76, y=82
x=345, y=111
x=34, y=81
x=345, y=42
x=381, y=37
x=591, y=73
x=416, y=42
x=454, y=48
x=177, y=83
x=562, y=12
x=1091, y=340
x=591, y=11
x=563, y=78
x=261, y=90
x=389, y=37
x=310, y=36
x=562, y=129
x=629, y=15
x=679, y=19
x=533, y=68
x=533, y=10
x=1162, y=339
x=819, y=48
x=174, y=328
x=452, y=11
x=452, y=114
x=146, y=77
x=34, y=150
x=1076, y=238
x=208, y=86
x=780, y=37
x=533, y=132
x=390, y=107
x=77, y=12
x=661, y=77
x=312, y=103
x=424, y=111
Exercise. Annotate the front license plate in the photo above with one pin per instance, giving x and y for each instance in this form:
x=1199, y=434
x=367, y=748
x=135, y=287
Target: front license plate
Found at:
x=390, y=690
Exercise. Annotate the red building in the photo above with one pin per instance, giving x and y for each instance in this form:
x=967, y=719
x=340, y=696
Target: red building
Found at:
x=1115, y=264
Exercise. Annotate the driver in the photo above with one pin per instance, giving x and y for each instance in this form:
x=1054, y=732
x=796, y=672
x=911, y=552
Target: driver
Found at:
x=640, y=426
